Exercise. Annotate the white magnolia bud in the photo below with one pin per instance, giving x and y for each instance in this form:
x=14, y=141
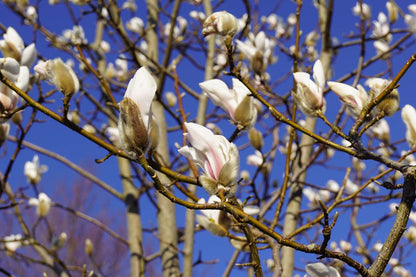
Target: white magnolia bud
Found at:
x=135, y=119
x=221, y=23
x=171, y=99
x=60, y=74
x=89, y=247
x=4, y=132
x=42, y=203
x=256, y=138
x=12, y=44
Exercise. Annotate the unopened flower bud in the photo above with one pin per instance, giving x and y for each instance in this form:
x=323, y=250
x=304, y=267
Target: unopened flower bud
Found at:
x=42, y=203
x=221, y=23
x=133, y=132
x=171, y=99
x=12, y=44
x=245, y=114
x=74, y=117
x=240, y=244
x=29, y=55
x=89, y=247
x=390, y=104
x=245, y=175
x=4, y=131
x=408, y=116
x=17, y=118
x=154, y=133
x=135, y=120
x=89, y=128
x=60, y=74
x=257, y=63
x=65, y=78
x=256, y=138
x=393, y=11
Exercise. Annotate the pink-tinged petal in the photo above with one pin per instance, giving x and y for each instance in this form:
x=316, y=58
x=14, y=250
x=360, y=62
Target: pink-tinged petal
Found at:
x=205, y=141
x=303, y=78
x=194, y=155
x=220, y=94
x=348, y=94
x=8, y=98
x=141, y=89
x=319, y=75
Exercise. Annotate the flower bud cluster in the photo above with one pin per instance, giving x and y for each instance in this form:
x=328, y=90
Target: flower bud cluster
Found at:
x=15, y=67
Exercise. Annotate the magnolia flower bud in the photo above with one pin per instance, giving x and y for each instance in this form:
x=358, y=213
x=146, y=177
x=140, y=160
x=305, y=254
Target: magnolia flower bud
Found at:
x=381, y=130
x=4, y=132
x=42, y=204
x=12, y=44
x=408, y=116
x=59, y=241
x=218, y=157
x=171, y=99
x=215, y=221
x=221, y=23
x=393, y=11
x=10, y=68
x=17, y=118
x=29, y=55
x=236, y=101
x=133, y=132
x=33, y=170
x=256, y=138
x=135, y=120
x=390, y=104
x=12, y=243
x=89, y=128
x=363, y=10
x=60, y=74
x=136, y=25
x=354, y=98
x=309, y=94
x=240, y=244
x=89, y=247
x=411, y=234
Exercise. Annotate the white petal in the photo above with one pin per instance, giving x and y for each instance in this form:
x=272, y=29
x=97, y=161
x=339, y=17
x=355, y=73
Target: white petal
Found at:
x=29, y=55
x=33, y=202
x=141, y=89
x=220, y=94
x=11, y=36
x=348, y=94
x=240, y=89
x=248, y=50
x=10, y=68
x=23, y=79
x=318, y=74
x=205, y=141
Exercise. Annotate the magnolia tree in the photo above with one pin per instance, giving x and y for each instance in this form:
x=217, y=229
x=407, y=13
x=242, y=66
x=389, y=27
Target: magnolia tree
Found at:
x=183, y=138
